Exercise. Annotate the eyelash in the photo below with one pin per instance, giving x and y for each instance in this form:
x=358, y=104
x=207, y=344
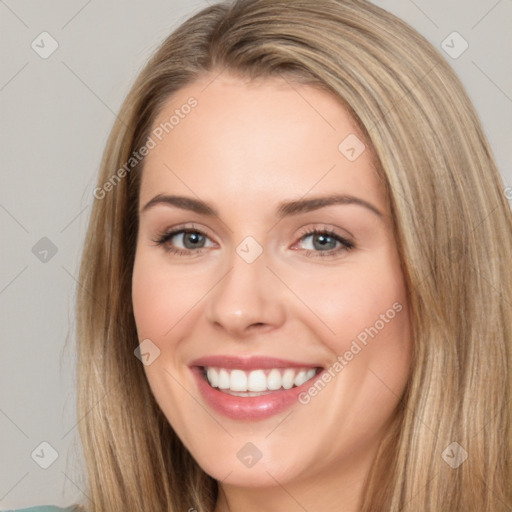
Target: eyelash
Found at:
x=164, y=239
x=345, y=245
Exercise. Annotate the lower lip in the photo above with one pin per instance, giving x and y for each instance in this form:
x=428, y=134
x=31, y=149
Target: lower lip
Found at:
x=248, y=408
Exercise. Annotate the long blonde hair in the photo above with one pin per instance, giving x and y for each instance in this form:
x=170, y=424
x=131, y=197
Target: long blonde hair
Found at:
x=454, y=235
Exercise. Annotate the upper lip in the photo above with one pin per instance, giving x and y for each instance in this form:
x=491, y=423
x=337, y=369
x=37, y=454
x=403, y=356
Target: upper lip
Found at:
x=249, y=363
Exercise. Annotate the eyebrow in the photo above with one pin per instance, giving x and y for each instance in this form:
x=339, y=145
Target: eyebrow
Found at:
x=285, y=209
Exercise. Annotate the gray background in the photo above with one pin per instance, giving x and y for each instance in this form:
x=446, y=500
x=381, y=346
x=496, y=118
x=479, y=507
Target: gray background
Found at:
x=55, y=116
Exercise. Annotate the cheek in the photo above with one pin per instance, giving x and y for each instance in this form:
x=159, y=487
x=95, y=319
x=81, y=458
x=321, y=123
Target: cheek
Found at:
x=162, y=300
x=365, y=308
x=357, y=302
x=373, y=338
x=161, y=297
x=366, y=311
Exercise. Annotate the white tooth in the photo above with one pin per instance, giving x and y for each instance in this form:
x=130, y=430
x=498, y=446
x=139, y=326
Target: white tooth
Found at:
x=257, y=381
x=310, y=374
x=274, y=380
x=223, y=379
x=238, y=381
x=288, y=377
x=213, y=377
x=300, y=378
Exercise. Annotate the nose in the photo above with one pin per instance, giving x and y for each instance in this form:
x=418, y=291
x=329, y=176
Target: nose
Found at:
x=248, y=299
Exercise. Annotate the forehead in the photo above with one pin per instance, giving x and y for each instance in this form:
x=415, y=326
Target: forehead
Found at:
x=268, y=138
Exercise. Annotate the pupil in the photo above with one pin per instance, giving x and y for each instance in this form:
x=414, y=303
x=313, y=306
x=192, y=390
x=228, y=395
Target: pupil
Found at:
x=193, y=240
x=323, y=241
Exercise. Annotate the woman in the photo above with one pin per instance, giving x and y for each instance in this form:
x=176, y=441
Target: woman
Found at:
x=295, y=290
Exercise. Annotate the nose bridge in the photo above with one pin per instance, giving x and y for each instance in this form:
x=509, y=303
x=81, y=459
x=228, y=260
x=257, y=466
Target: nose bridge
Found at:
x=246, y=296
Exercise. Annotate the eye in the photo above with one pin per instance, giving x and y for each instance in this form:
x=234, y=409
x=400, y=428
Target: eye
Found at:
x=191, y=241
x=323, y=242
x=184, y=241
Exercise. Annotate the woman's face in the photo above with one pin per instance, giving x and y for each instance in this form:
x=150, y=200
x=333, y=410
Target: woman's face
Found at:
x=266, y=259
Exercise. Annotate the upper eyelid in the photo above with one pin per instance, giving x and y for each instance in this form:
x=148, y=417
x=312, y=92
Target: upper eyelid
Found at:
x=326, y=228
x=172, y=232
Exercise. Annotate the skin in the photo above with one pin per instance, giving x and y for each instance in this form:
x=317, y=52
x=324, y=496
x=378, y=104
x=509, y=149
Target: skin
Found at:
x=245, y=148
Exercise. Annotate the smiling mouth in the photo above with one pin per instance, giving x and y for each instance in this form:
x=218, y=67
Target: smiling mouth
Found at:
x=258, y=382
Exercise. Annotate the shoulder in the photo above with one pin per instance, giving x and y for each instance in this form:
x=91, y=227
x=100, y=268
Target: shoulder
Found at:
x=45, y=508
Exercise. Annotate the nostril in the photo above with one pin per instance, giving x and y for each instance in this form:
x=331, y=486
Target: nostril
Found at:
x=257, y=326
